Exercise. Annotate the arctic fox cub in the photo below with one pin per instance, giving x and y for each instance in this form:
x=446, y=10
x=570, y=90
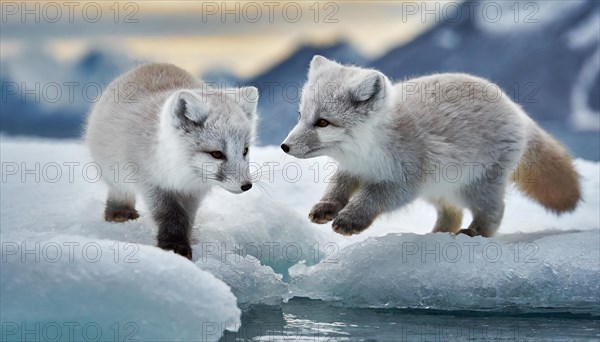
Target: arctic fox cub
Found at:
x=178, y=137
x=452, y=139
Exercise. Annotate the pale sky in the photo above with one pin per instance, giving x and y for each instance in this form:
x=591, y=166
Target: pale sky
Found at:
x=205, y=35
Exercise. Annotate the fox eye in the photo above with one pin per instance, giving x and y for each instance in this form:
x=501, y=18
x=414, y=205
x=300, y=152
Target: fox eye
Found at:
x=245, y=151
x=322, y=123
x=217, y=154
x=299, y=115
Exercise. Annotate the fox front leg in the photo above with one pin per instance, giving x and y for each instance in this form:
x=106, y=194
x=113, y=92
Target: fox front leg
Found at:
x=169, y=211
x=336, y=197
x=370, y=201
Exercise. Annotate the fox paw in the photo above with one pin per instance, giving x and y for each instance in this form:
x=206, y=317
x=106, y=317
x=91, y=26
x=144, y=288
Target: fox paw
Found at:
x=180, y=248
x=347, y=223
x=121, y=214
x=469, y=232
x=324, y=212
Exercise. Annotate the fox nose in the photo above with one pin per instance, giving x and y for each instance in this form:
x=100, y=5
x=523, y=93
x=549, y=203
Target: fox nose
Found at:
x=246, y=187
x=285, y=148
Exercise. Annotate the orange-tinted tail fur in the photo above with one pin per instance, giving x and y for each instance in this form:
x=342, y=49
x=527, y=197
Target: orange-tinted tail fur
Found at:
x=547, y=175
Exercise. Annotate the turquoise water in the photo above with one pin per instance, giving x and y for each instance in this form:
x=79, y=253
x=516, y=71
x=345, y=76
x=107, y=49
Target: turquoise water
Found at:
x=310, y=320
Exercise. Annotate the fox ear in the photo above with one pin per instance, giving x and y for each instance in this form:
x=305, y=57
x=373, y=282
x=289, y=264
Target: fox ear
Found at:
x=319, y=62
x=367, y=86
x=248, y=100
x=189, y=108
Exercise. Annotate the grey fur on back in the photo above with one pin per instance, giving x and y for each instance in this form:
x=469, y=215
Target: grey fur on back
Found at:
x=123, y=126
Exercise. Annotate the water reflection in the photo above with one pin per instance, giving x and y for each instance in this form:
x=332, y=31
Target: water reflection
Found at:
x=310, y=320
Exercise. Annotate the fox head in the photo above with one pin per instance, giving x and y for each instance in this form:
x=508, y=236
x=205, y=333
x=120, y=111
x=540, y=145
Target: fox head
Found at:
x=208, y=136
x=339, y=104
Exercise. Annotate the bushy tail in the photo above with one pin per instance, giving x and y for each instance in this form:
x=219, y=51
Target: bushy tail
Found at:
x=546, y=173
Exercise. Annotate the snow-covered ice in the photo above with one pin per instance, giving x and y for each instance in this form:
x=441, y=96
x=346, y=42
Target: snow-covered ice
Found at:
x=262, y=249
x=261, y=227
x=74, y=288
x=251, y=282
x=559, y=271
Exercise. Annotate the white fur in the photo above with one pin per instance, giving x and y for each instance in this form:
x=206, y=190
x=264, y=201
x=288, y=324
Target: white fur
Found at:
x=172, y=169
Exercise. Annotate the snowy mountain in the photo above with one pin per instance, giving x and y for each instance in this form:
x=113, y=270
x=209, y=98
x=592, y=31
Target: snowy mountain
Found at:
x=546, y=57
x=32, y=118
x=541, y=55
x=46, y=98
x=551, y=67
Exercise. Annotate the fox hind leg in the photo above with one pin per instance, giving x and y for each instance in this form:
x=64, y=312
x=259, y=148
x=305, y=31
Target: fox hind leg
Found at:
x=449, y=218
x=120, y=207
x=486, y=202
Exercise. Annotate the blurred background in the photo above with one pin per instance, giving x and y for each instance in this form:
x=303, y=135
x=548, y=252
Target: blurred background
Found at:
x=57, y=57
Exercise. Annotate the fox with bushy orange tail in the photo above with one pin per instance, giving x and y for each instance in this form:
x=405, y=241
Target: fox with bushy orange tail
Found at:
x=454, y=140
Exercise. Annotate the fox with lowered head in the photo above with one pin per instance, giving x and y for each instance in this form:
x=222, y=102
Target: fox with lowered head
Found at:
x=181, y=138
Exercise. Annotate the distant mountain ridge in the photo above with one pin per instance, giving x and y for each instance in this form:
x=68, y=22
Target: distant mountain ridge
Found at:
x=506, y=59
x=550, y=69
x=538, y=67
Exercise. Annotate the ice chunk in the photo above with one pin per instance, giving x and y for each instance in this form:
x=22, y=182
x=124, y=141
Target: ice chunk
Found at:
x=251, y=224
x=250, y=282
x=72, y=288
x=441, y=271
